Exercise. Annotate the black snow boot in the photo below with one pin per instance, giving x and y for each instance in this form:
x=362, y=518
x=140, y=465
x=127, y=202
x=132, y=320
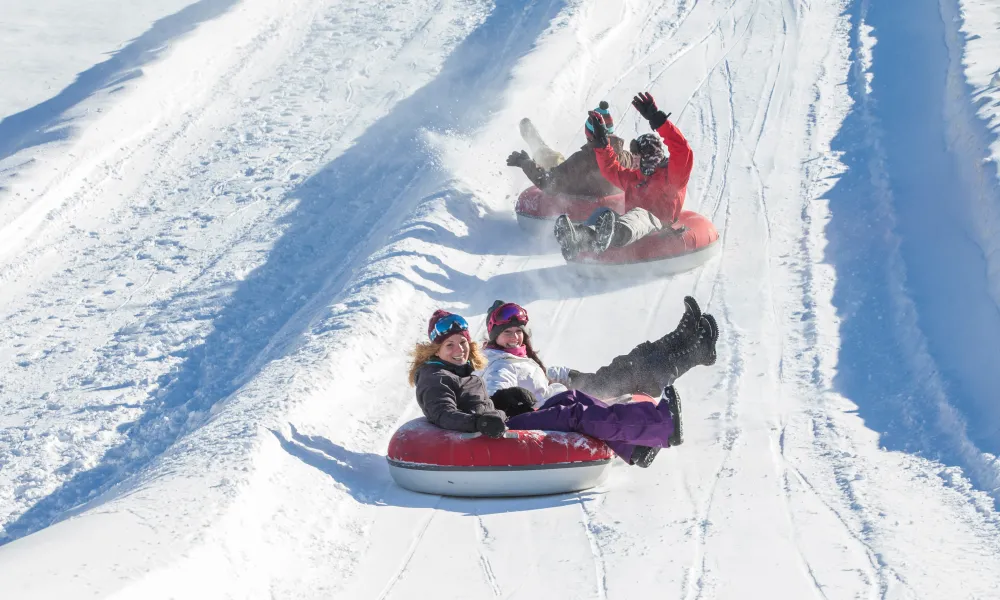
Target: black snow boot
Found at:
x=649, y=366
x=701, y=352
x=642, y=456
x=686, y=330
x=572, y=238
x=674, y=406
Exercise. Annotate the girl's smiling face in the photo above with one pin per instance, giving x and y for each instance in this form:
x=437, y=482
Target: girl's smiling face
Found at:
x=512, y=337
x=455, y=350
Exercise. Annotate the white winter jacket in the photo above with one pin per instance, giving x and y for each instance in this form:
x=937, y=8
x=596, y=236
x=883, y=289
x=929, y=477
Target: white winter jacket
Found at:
x=505, y=370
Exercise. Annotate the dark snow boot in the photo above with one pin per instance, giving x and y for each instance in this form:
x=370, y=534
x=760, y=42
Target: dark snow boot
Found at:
x=649, y=366
x=642, y=456
x=572, y=238
x=674, y=406
x=701, y=352
x=604, y=227
x=685, y=333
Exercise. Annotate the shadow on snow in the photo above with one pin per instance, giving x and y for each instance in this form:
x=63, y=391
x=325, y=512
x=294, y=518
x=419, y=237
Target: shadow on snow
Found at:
x=46, y=122
x=365, y=476
x=343, y=212
x=919, y=330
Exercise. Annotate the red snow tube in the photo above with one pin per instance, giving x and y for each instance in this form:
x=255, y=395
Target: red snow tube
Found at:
x=536, y=210
x=691, y=243
x=425, y=458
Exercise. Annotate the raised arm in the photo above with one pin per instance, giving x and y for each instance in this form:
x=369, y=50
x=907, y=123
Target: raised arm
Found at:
x=538, y=176
x=681, y=155
x=607, y=160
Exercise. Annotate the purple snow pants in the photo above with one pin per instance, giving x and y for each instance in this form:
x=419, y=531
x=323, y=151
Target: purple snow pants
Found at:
x=621, y=426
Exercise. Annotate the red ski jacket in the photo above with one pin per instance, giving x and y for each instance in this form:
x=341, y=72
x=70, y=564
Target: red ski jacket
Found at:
x=663, y=192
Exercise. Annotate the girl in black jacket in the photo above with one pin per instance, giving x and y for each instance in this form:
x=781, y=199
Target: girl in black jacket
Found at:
x=447, y=392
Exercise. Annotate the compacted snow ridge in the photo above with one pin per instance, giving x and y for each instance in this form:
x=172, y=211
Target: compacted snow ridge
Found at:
x=223, y=224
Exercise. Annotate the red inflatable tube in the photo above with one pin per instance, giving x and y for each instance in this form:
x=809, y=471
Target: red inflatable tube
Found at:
x=691, y=243
x=425, y=458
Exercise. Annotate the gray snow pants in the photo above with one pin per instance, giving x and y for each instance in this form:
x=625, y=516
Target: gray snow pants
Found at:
x=630, y=227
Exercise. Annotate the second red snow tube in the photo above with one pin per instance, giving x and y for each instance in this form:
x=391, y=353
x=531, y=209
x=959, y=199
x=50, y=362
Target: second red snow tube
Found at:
x=691, y=244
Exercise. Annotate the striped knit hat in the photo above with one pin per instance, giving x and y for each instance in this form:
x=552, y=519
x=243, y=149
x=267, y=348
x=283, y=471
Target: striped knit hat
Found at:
x=609, y=123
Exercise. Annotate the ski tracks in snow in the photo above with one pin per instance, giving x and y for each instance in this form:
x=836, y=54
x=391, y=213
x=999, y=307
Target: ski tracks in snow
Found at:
x=482, y=539
x=408, y=556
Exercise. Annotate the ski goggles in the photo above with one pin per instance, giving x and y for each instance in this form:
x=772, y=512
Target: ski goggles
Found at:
x=446, y=326
x=507, y=314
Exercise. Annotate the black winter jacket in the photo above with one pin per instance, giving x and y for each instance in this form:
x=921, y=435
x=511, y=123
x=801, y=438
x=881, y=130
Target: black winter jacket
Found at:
x=579, y=174
x=452, y=397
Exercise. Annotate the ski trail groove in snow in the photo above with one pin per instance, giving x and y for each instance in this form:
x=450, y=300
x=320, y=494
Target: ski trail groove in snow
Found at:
x=482, y=538
x=410, y=551
x=600, y=569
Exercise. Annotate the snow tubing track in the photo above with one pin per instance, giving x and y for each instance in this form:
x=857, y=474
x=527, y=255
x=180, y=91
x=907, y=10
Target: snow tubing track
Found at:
x=425, y=458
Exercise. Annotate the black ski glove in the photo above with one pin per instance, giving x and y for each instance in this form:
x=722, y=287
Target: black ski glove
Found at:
x=644, y=103
x=517, y=158
x=491, y=426
x=599, y=139
x=513, y=401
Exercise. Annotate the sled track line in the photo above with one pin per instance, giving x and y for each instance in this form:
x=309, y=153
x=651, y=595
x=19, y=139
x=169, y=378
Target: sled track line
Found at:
x=877, y=575
x=640, y=60
x=600, y=568
x=695, y=577
x=782, y=465
x=405, y=562
x=482, y=535
x=725, y=55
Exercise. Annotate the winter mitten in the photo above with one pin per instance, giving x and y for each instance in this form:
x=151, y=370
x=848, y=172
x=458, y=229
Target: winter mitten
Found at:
x=514, y=401
x=597, y=133
x=517, y=158
x=644, y=103
x=491, y=426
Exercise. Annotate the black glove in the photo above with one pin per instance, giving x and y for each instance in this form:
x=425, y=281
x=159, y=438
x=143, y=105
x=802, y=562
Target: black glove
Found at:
x=517, y=158
x=599, y=138
x=491, y=426
x=644, y=103
x=513, y=401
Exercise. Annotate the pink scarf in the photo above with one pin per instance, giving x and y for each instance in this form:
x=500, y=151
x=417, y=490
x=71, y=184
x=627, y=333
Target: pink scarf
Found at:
x=521, y=351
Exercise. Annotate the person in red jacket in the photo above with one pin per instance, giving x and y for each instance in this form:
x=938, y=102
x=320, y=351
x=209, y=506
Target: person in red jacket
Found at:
x=654, y=193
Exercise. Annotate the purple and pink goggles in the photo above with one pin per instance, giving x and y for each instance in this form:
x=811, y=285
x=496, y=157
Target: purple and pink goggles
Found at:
x=446, y=326
x=506, y=314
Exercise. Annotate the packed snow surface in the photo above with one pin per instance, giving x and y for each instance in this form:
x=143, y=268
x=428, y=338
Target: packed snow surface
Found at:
x=223, y=223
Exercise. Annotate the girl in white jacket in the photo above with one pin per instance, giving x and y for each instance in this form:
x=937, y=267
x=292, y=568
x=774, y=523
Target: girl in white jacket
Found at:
x=513, y=363
x=512, y=360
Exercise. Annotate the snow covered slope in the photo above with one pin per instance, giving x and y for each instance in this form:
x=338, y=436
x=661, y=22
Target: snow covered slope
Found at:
x=209, y=285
